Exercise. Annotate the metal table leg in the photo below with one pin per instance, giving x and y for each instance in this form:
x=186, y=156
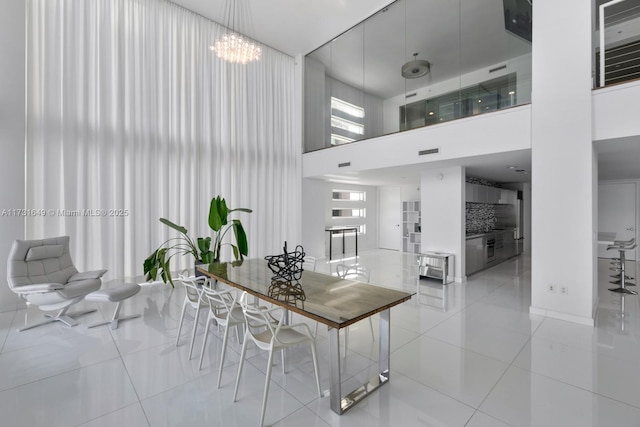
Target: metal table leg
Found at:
x=341, y=404
x=445, y=272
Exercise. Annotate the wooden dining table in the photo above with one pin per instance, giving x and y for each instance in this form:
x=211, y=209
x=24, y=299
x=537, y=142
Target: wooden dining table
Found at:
x=329, y=300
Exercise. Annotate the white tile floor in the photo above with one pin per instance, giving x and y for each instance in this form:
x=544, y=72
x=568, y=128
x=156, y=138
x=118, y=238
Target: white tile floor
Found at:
x=463, y=355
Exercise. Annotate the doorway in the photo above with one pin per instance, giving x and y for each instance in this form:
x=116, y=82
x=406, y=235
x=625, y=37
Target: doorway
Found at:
x=390, y=211
x=617, y=213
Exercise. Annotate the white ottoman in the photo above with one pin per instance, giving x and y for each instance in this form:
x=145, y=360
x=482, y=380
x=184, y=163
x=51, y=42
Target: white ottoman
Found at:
x=117, y=294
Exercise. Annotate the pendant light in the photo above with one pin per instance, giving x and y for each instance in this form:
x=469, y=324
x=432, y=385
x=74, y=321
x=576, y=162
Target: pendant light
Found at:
x=234, y=47
x=416, y=68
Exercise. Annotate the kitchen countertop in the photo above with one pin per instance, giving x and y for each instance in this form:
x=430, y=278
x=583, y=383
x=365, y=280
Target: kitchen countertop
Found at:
x=489, y=233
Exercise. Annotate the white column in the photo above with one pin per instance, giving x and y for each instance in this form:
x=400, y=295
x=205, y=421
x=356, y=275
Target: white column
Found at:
x=443, y=213
x=564, y=166
x=12, y=134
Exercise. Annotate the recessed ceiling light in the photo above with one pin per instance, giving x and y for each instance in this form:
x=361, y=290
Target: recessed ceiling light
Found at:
x=431, y=113
x=479, y=100
x=513, y=92
x=513, y=167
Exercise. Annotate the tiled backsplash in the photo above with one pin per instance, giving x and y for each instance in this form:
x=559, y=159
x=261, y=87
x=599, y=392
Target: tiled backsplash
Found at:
x=481, y=217
x=482, y=181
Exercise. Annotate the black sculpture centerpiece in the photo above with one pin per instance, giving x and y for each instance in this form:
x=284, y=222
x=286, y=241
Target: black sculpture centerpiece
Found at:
x=287, y=271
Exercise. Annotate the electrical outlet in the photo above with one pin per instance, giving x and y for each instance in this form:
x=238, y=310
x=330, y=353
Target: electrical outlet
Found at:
x=551, y=288
x=564, y=290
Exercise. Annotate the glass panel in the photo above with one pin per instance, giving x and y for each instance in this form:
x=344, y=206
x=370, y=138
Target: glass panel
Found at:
x=316, y=100
x=417, y=63
x=346, y=82
x=433, y=35
x=622, y=42
x=384, y=56
x=517, y=18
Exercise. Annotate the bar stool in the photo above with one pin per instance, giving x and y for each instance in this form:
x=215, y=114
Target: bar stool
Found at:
x=623, y=277
x=615, y=262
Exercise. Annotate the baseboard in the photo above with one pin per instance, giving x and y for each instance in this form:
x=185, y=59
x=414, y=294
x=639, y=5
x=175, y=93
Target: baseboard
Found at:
x=562, y=316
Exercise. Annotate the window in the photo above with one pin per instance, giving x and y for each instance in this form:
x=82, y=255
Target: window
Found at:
x=349, y=209
x=349, y=195
x=348, y=213
x=347, y=122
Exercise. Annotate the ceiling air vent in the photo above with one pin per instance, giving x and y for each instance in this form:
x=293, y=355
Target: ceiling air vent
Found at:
x=502, y=67
x=429, y=151
x=411, y=95
x=344, y=165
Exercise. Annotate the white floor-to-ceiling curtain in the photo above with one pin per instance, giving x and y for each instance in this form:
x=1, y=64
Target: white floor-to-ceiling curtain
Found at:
x=130, y=117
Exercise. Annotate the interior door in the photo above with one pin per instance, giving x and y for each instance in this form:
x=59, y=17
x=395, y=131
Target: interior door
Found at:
x=617, y=213
x=390, y=217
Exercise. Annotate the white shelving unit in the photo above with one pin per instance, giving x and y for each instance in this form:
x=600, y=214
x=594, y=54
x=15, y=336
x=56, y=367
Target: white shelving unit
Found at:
x=411, y=227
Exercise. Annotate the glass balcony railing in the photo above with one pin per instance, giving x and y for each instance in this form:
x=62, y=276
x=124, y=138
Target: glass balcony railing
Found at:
x=417, y=63
x=618, y=30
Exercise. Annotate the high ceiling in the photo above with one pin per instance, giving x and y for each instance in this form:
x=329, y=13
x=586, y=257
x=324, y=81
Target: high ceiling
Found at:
x=292, y=26
x=457, y=38
x=299, y=27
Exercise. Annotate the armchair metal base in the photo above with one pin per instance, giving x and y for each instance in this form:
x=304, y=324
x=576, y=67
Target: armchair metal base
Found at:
x=62, y=316
x=115, y=319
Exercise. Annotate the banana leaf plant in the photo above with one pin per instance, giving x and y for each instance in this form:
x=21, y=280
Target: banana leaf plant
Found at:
x=219, y=222
x=159, y=262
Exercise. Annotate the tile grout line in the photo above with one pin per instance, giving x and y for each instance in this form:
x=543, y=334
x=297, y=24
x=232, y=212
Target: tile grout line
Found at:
x=503, y=374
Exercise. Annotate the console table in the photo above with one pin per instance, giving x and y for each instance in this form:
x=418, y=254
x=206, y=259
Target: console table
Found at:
x=342, y=230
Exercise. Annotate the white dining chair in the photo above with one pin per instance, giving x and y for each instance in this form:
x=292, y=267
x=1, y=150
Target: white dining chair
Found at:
x=192, y=298
x=272, y=337
x=227, y=313
x=309, y=263
x=361, y=274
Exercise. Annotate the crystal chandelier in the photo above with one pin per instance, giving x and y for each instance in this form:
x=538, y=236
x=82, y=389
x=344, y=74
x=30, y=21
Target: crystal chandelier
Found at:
x=234, y=47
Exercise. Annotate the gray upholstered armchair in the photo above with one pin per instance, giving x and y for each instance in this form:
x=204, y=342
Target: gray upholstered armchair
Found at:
x=42, y=273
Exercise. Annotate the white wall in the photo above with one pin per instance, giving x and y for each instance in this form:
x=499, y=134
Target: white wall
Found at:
x=615, y=111
x=443, y=214
x=614, y=213
x=410, y=192
x=12, y=135
x=501, y=131
x=563, y=163
x=313, y=217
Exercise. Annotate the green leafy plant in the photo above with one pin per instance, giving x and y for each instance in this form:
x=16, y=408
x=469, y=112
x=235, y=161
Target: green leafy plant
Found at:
x=219, y=222
x=159, y=262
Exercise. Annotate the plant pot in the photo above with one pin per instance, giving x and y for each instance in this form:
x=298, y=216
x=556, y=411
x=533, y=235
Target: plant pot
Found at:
x=218, y=268
x=201, y=265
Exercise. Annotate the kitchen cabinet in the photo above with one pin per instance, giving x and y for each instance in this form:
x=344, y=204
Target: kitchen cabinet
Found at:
x=475, y=254
x=493, y=195
x=508, y=197
x=476, y=193
x=471, y=192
